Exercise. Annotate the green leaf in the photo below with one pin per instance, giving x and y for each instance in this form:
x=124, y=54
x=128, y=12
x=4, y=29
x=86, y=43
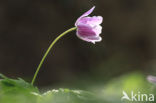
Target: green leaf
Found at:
x=16, y=91
x=68, y=96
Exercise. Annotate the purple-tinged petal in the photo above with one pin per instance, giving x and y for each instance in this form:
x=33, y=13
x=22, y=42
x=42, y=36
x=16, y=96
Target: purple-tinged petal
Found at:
x=95, y=20
x=94, y=39
x=90, y=39
x=85, y=31
x=85, y=14
x=151, y=79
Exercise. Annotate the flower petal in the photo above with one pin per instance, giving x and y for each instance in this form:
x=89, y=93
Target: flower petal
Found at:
x=97, y=29
x=95, y=39
x=95, y=20
x=91, y=39
x=85, y=14
x=151, y=79
x=84, y=30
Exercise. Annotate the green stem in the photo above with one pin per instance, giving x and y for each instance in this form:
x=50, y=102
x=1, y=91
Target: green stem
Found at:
x=48, y=50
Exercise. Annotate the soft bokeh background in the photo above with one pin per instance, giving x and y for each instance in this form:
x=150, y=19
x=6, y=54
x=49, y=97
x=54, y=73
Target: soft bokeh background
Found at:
x=28, y=27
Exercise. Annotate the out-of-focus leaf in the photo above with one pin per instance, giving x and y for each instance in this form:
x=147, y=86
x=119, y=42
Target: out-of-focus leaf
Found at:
x=135, y=82
x=16, y=91
x=19, y=91
x=68, y=96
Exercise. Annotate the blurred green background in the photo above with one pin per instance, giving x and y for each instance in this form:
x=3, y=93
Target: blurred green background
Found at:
x=128, y=48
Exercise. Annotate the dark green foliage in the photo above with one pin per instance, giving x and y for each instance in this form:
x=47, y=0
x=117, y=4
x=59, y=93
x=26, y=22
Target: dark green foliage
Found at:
x=16, y=91
x=19, y=91
x=68, y=96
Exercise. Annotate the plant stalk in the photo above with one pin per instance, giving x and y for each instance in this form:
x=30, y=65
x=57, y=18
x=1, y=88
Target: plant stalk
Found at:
x=48, y=50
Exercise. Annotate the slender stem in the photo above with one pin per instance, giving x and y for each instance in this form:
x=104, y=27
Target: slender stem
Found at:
x=48, y=50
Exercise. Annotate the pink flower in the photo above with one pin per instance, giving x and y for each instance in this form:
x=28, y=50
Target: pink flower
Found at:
x=89, y=28
x=151, y=79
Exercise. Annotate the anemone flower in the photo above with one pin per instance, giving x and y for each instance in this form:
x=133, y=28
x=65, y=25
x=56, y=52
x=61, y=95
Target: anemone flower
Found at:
x=89, y=28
